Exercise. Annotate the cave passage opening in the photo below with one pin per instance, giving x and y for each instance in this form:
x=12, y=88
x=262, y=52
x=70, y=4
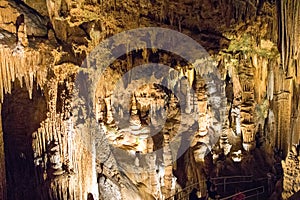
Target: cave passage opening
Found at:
x=21, y=116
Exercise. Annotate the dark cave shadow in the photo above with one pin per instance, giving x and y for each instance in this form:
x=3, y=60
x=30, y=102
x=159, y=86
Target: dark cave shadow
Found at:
x=21, y=116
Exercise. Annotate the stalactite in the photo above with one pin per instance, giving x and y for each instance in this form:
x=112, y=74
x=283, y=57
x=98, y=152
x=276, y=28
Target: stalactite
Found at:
x=1, y=88
x=56, y=130
x=23, y=67
x=8, y=77
x=270, y=89
x=63, y=132
x=4, y=77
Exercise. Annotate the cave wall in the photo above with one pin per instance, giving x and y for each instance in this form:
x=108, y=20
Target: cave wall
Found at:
x=255, y=44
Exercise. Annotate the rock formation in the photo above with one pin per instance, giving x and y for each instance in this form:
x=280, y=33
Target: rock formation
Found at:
x=165, y=135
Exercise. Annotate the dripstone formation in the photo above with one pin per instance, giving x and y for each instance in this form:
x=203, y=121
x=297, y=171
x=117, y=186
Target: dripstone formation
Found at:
x=158, y=142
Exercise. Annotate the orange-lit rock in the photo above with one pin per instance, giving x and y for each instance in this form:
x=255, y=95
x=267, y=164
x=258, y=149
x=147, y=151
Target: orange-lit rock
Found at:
x=55, y=145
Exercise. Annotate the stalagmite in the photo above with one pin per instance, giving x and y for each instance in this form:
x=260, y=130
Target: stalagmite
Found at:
x=135, y=122
x=224, y=144
x=110, y=119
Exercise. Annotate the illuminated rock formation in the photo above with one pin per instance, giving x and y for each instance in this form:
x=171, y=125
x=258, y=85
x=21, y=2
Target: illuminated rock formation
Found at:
x=150, y=145
x=291, y=168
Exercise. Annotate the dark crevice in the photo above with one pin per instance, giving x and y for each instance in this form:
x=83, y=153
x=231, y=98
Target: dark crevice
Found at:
x=21, y=116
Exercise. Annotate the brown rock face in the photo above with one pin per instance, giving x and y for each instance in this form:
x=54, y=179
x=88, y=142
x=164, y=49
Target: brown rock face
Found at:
x=65, y=139
x=290, y=166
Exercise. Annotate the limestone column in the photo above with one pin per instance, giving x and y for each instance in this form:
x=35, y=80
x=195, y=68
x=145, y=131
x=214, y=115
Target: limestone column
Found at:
x=109, y=117
x=249, y=137
x=167, y=158
x=100, y=110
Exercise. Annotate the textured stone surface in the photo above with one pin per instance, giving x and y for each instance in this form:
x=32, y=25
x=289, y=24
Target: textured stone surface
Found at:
x=254, y=45
x=291, y=181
